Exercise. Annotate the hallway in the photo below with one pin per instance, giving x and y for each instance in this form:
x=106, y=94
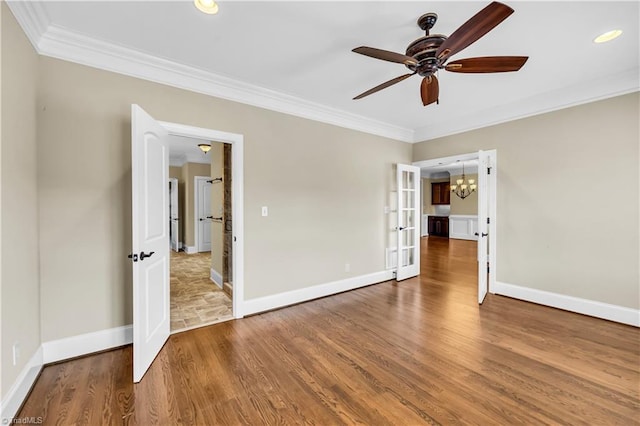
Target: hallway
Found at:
x=195, y=299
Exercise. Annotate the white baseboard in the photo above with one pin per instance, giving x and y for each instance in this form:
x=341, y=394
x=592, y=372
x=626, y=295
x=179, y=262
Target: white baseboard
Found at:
x=261, y=304
x=18, y=392
x=71, y=347
x=190, y=249
x=216, y=277
x=592, y=308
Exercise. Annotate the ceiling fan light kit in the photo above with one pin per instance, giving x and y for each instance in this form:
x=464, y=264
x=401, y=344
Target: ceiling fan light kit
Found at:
x=429, y=54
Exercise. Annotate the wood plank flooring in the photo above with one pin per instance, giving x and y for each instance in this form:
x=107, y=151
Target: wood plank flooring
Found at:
x=416, y=352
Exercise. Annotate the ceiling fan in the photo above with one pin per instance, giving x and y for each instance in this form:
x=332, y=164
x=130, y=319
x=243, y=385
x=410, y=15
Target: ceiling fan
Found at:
x=428, y=54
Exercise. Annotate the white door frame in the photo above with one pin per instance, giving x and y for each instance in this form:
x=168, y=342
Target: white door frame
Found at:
x=237, y=197
x=492, y=207
x=196, y=208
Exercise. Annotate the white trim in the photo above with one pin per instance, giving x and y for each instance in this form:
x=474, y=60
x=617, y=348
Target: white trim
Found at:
x=58, y=42
x=216, y=277
x=261, y=304
x=190, y=249
x=425, y=164
x=83, y=344
x=33, y=18
x=16, y=395
x=237, y=199
x=492, y=186
x=61, y=43
x=570, y=303
x=617, y=84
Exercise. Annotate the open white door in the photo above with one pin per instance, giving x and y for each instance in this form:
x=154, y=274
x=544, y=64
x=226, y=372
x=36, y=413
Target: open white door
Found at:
x=203, y=209
x=150, y=232
x=483, y=227
x=408, y=230
x=174, y=218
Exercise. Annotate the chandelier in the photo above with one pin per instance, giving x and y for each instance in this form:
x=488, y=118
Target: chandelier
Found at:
x=463, y=187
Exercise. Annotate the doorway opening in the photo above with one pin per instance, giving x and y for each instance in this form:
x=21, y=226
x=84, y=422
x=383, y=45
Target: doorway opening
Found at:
x=464, y=225
x=200, y=183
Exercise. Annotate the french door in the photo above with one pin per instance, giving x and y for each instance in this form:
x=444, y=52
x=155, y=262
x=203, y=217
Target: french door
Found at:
x=408, y=229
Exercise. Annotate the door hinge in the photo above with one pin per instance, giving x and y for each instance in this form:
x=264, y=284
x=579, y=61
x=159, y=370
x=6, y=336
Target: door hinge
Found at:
x=488, y=220
x=488, y=170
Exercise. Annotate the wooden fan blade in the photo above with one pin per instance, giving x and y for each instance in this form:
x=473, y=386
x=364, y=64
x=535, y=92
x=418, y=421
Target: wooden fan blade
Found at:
x=487, y=64
x=385, y=55
x=429, y=90
x=383, y=86
x=480, y=24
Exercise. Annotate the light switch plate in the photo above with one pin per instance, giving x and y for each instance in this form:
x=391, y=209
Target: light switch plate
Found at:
x=265, y=211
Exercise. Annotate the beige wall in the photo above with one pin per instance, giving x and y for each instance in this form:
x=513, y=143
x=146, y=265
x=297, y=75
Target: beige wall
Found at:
x=19, y=225
x=469, y=205
x=175, y=172
x=217, y=206
x=566, y=223
x=189, y=172
x=86, y=225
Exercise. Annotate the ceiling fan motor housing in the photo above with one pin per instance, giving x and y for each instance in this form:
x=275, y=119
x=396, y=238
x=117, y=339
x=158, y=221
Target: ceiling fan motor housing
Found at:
x=424, y=50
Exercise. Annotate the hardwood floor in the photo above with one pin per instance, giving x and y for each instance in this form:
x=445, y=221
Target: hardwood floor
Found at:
x=416, y=352
x=195, y=299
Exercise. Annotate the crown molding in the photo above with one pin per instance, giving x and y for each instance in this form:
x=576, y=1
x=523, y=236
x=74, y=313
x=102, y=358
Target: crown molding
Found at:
x=57, y=42
x=32, y=17
x=617, y=84
x=61, y=43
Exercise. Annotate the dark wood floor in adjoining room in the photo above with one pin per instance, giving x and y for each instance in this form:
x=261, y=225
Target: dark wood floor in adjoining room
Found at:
x=416, y=352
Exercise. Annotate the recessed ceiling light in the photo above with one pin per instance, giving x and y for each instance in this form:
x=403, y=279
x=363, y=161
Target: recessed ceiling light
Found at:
x=209, y=7
x=608, y=36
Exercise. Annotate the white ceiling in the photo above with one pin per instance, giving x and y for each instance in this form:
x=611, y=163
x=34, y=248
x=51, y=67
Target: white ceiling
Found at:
x=185, y=150
x=296, y=57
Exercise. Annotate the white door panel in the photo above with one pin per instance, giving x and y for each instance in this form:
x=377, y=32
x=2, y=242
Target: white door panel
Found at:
x=150, y=239
x=174, y=216
x=408, y=229
x=203, y=187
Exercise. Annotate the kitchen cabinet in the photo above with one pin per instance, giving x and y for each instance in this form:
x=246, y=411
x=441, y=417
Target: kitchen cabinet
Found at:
x=438, y=226
x=440, y=193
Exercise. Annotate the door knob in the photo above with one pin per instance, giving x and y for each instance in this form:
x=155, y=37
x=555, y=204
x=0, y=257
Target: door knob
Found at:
x=143, y=256
x=400, y=228
x=133, y=257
